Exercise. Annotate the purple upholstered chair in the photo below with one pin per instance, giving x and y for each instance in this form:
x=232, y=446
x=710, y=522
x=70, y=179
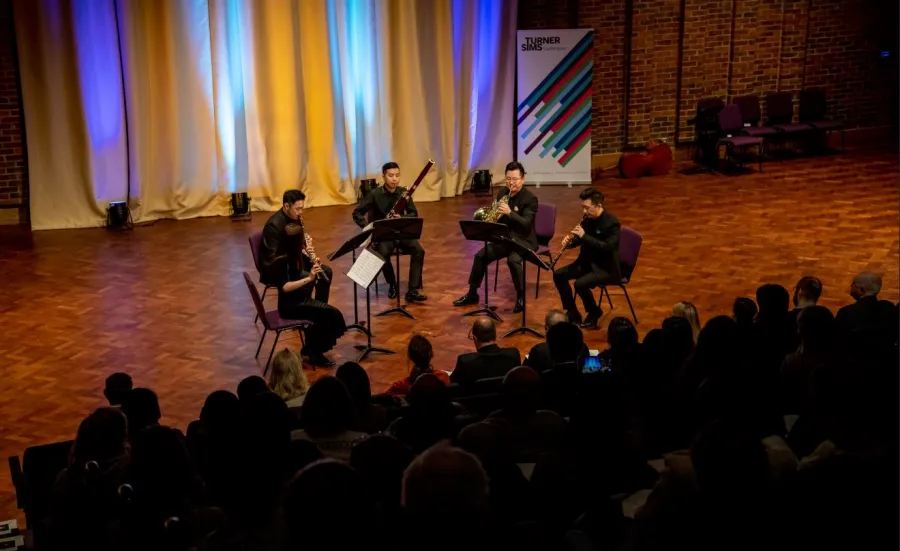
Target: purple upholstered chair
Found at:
x=751, y=114
x=780, y=113
x=732, y=126
x=255, y=242
x=545, y=228
x=629, y=250
x=272, y=322
x=813, y=110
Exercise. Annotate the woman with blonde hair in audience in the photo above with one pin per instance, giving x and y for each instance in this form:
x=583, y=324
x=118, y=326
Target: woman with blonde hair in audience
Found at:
x=419, y=354
x=688, y=311
x=288, y=381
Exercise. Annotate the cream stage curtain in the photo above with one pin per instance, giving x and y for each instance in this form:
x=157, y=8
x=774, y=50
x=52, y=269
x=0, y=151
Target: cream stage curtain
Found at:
x=175, y=104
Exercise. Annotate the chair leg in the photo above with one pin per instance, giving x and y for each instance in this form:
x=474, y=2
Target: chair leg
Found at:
x=537, y=286
x=605, y=289
x=496, y=274
x=271, y=353
x=629, y=304
x=261, y=299
x=259, y=347
x=303, y=344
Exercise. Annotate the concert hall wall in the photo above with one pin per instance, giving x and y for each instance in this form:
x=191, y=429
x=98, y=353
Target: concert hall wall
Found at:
x=176, y=104
x=727, y=48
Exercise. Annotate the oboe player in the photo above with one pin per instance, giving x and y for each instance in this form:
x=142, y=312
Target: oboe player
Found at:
x=283, y=264
x=377, y=205
x=598, y=259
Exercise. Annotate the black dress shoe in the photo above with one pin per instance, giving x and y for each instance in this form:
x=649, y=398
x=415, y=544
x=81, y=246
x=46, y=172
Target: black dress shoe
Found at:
x=590, y=322
x=466, y=299
x=574, y=317
x=415, y=296
x=319, y=360
x=392, y=291
x=520, y=305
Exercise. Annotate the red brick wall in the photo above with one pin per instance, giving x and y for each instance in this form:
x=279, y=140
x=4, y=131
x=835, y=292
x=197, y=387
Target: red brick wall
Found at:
x=13, y=175
x=729, y=48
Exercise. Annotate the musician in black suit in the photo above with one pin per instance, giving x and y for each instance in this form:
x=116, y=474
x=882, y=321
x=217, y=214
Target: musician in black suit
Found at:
x=283, y=264
x=597, y=263
x=489, y=361
x=376, y=206
x=519, y=215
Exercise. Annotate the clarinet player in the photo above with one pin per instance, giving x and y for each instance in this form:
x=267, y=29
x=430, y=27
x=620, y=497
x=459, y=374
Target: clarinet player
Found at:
x=597, y=263
x=284, y=265
x=376, y=206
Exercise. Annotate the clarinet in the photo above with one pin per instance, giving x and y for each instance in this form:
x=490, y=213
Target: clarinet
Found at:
x=567, y=240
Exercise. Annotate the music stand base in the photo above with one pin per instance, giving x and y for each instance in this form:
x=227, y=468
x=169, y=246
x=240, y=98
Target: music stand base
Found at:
x=368, y=349
x=487, y=310
x=396, y=310
x=524, y=329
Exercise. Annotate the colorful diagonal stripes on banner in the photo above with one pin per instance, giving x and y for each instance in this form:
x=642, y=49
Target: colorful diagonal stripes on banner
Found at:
x=561, y=105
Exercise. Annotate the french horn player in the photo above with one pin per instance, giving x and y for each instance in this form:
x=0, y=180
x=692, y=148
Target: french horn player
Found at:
x=515, y=207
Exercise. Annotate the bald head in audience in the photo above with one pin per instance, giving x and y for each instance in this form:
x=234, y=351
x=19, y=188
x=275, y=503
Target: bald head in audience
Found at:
x=484, y=332
x=866, y=284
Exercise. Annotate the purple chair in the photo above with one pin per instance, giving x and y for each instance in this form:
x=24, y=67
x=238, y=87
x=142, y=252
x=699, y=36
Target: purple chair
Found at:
x=751, y=114
x=780, y=113
x=545, y=228
x=255, y=242
x=629, y=250
x=732, y=126
x=813, y=110
x=272, y=322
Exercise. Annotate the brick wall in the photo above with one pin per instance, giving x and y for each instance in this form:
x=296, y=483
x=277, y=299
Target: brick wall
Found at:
x=13, y=175
x=728, y=48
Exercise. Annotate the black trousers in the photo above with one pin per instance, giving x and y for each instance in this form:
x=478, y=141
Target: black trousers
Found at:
x=490, y=253
x=322, y=286
x=586, y=278
x=328, y=321
x=416, y=261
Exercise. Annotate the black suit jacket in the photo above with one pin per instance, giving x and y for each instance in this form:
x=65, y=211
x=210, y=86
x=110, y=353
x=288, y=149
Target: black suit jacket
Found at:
x=600, y=244
x=866, y=314
x=379, y=202
x=540, y=360
x=489, y=361
x=524, y=206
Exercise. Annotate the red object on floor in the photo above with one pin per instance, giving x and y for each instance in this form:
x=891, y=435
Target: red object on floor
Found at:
x=655, y=160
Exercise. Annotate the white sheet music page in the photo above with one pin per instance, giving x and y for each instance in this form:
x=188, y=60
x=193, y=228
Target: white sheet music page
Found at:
x=366, y=267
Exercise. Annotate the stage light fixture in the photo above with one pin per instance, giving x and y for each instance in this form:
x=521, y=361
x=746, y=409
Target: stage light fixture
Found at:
x=240, y=206
x=118, y=216
x=482, y=182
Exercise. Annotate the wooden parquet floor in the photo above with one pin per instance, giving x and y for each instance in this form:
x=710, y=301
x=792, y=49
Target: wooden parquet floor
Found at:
x=167, y=303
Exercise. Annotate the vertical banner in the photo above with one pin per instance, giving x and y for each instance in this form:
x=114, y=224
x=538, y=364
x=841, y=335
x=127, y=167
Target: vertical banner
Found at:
x=553, y=117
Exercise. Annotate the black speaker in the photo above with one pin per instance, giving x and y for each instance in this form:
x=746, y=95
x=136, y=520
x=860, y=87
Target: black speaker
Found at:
x=118, y=216
x=240, y=206
x=482, y=182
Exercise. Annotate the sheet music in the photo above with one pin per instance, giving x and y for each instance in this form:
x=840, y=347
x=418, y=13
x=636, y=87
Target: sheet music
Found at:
x=365, y=268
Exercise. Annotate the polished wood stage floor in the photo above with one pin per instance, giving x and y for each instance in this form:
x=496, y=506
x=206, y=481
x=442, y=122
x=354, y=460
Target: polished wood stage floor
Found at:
x=167, y=303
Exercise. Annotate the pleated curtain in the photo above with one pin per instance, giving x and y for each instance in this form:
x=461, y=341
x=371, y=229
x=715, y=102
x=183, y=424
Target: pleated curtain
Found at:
x=173, y=105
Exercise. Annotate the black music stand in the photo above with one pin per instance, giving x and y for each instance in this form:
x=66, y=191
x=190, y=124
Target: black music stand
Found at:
x=528, y=256
x=396, y=230
x=486, y=232
x=350, y=246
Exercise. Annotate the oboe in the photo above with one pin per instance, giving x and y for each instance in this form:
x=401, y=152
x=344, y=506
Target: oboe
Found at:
x=310, y=250
x=565, y=243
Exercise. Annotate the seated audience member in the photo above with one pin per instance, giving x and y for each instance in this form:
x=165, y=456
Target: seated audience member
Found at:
x=118, y=385
x=489, y=361
x=381, y=460
x=327, y=507
x=84, y=502
x=520, y=431
x=367, y=417
x=250, y=386
x=287, y=380
x=806, y=293
x=141, y=407
x=774, y=330
x=538, y=357
x=819, y=344
x=445, y=492
x=209, y=439
x=562, y=381
x=419, y=355
x=430, y=416
x=327, y=416
x=688, y=311
x=865, y=324
x=744, y=312
x=678, y=340
x=624, y=349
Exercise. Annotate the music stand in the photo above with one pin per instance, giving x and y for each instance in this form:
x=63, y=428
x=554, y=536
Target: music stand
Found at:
x=350, y=246
x=486, y=232
x=529, y=256
x=396, y=230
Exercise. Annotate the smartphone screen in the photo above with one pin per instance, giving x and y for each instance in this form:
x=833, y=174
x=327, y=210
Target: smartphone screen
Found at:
x=595, y=364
